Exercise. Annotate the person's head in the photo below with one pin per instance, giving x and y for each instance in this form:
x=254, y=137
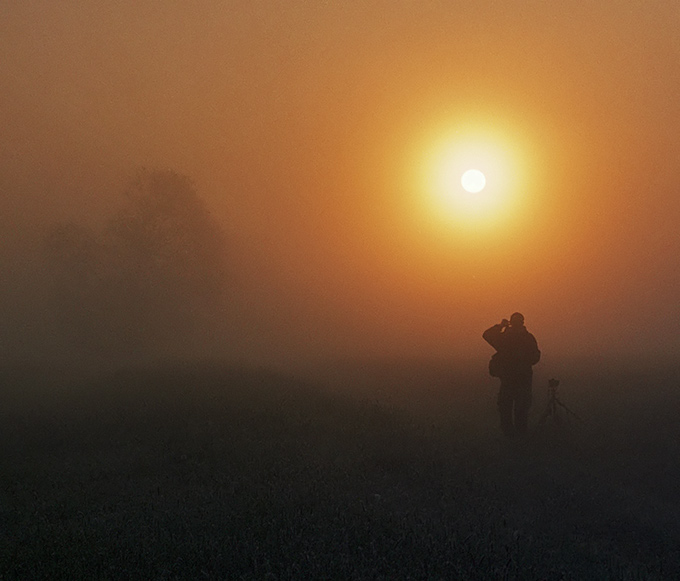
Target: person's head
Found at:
x=517, y=320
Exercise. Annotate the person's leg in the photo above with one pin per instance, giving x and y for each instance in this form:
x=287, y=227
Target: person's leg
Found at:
x=521, y=419
x=506, y=402
x=522, y=405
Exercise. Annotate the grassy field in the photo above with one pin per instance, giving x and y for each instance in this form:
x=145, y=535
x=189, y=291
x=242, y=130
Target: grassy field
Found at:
x=378, y=472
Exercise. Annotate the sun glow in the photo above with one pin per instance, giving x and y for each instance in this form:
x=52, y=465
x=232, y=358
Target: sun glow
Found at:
x=473, y=179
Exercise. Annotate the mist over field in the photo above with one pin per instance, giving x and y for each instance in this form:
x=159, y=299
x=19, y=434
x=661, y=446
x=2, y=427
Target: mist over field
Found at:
x=160, y=275
x=238, y=472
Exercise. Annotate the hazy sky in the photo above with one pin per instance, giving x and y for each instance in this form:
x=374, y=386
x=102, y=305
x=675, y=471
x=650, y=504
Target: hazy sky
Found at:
x=308, y=125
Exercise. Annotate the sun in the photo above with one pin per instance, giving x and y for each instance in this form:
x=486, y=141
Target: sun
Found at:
x=473, y=181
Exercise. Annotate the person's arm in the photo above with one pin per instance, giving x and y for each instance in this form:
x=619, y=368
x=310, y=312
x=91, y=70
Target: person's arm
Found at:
x=493, y=335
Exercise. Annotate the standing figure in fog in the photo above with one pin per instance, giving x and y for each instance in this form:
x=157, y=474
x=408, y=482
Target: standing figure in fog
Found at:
x=516, y=353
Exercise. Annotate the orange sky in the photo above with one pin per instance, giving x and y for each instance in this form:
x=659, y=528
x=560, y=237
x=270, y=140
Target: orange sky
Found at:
x=303, y=124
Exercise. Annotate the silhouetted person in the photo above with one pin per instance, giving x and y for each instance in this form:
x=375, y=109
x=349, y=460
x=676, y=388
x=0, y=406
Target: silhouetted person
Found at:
x=516, y=353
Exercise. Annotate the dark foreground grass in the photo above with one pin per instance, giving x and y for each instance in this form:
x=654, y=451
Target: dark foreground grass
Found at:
x=202, y=472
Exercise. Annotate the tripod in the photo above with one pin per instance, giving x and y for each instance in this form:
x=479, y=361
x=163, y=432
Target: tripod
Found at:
x=554, y=405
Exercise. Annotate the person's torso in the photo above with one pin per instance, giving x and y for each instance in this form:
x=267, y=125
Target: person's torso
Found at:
x=518, y=348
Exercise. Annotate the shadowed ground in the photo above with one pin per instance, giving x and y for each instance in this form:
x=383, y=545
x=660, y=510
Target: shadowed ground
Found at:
x=210, y=472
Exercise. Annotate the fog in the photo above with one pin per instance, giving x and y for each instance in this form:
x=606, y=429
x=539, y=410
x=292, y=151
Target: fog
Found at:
x=295, y=124
x=243, y=290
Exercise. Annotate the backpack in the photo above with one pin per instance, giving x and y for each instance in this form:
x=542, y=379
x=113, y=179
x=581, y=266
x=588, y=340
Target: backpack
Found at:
x=496, y=365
